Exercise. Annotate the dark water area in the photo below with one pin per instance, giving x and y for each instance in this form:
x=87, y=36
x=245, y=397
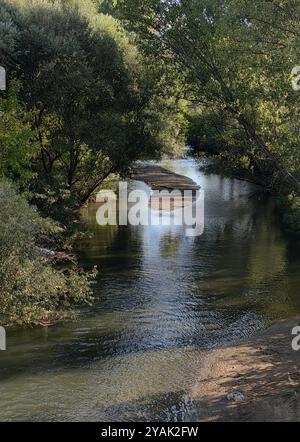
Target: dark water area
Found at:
x=163, y=301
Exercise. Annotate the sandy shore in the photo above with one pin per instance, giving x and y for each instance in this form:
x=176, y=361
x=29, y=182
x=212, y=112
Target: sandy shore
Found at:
x=265, y=370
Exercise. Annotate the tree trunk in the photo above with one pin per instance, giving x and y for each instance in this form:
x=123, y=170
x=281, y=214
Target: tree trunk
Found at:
x=88, y=193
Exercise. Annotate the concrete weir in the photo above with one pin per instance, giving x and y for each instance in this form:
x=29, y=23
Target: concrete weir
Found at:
x=159, y=178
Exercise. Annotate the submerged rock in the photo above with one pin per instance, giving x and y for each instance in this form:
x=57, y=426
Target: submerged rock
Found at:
x=236, y=397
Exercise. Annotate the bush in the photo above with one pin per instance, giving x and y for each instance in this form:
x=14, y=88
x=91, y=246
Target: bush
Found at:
x=289, y=208
x=31, y=289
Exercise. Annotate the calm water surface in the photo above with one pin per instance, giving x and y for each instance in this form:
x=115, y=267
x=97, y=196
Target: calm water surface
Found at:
x=162, y=301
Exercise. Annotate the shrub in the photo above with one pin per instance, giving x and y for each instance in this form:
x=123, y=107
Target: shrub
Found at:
x=290, y=213
x=31, y=288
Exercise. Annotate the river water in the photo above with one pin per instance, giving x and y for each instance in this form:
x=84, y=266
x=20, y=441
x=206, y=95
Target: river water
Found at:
x=162, y=302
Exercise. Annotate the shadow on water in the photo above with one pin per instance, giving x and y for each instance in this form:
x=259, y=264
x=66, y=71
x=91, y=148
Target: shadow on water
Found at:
x=161, y=301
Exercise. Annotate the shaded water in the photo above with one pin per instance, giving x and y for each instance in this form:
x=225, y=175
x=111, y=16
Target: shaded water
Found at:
x=162, y=301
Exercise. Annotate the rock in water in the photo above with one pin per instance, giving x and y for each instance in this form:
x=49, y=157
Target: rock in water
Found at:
x=236, y=397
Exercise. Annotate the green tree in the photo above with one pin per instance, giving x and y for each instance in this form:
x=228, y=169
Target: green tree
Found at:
x=97, y=104
x=239, y=56
x=17, y=148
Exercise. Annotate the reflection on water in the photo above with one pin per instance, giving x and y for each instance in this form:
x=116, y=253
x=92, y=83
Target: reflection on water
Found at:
x=163, y=302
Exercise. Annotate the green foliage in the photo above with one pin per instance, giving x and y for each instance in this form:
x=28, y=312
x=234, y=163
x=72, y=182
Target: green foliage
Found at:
x=239, y=57
x=107, y=6
x=98, y=106
x=31, y=289
x=16, y=135
x=289, y=209
x=206, y=131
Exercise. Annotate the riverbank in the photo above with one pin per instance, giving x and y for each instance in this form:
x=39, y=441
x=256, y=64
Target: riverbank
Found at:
x=287, y=205
x=257, y=380
x=40, y=280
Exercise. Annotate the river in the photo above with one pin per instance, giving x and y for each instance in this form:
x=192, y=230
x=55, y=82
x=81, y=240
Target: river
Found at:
x=163, y=301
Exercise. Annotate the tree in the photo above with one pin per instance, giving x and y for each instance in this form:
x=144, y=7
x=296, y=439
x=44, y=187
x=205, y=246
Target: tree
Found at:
x=96, y=103
x=239, y=56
